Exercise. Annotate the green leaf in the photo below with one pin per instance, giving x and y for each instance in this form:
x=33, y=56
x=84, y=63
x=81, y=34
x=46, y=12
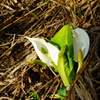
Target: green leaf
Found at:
x=62, y=92
x=33, y=14
x=36, y=62
x=63, y=68
x=35, y=96
x=62, y=38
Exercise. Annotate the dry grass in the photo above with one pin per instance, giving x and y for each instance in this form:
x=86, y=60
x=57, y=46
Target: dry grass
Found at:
x=17, y=77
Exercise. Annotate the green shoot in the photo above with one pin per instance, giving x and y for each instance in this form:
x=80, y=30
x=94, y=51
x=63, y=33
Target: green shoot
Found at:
x=1, y=42
x=34, y=96
x=61, y=94
x=33, y=14
x=79, y=12
x=47, y=1
x=36, y=62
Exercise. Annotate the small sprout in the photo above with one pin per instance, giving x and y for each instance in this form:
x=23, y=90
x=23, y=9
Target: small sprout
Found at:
x=33, y=14
x=62, y=91
x=61, y=94
x=47, y=1
x=79, y=12
x=1, y=42
x=34, y=96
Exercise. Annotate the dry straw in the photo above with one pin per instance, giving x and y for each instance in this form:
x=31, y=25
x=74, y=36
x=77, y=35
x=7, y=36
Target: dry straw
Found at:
x=17, y=20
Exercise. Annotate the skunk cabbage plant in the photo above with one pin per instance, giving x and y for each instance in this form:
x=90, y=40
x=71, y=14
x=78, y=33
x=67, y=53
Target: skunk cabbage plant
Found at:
x=80, y=41
x=47, y=52
x=62, y=50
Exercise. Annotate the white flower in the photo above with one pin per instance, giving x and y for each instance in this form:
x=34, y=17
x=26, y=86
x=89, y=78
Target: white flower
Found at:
x=80, y=41
x=46, y=51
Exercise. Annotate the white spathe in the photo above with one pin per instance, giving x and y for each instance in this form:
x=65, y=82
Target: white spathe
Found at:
x=80, y=41
x=52, y=51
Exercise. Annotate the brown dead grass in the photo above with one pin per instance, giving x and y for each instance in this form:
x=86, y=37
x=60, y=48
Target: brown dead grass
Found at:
x=17, y=77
